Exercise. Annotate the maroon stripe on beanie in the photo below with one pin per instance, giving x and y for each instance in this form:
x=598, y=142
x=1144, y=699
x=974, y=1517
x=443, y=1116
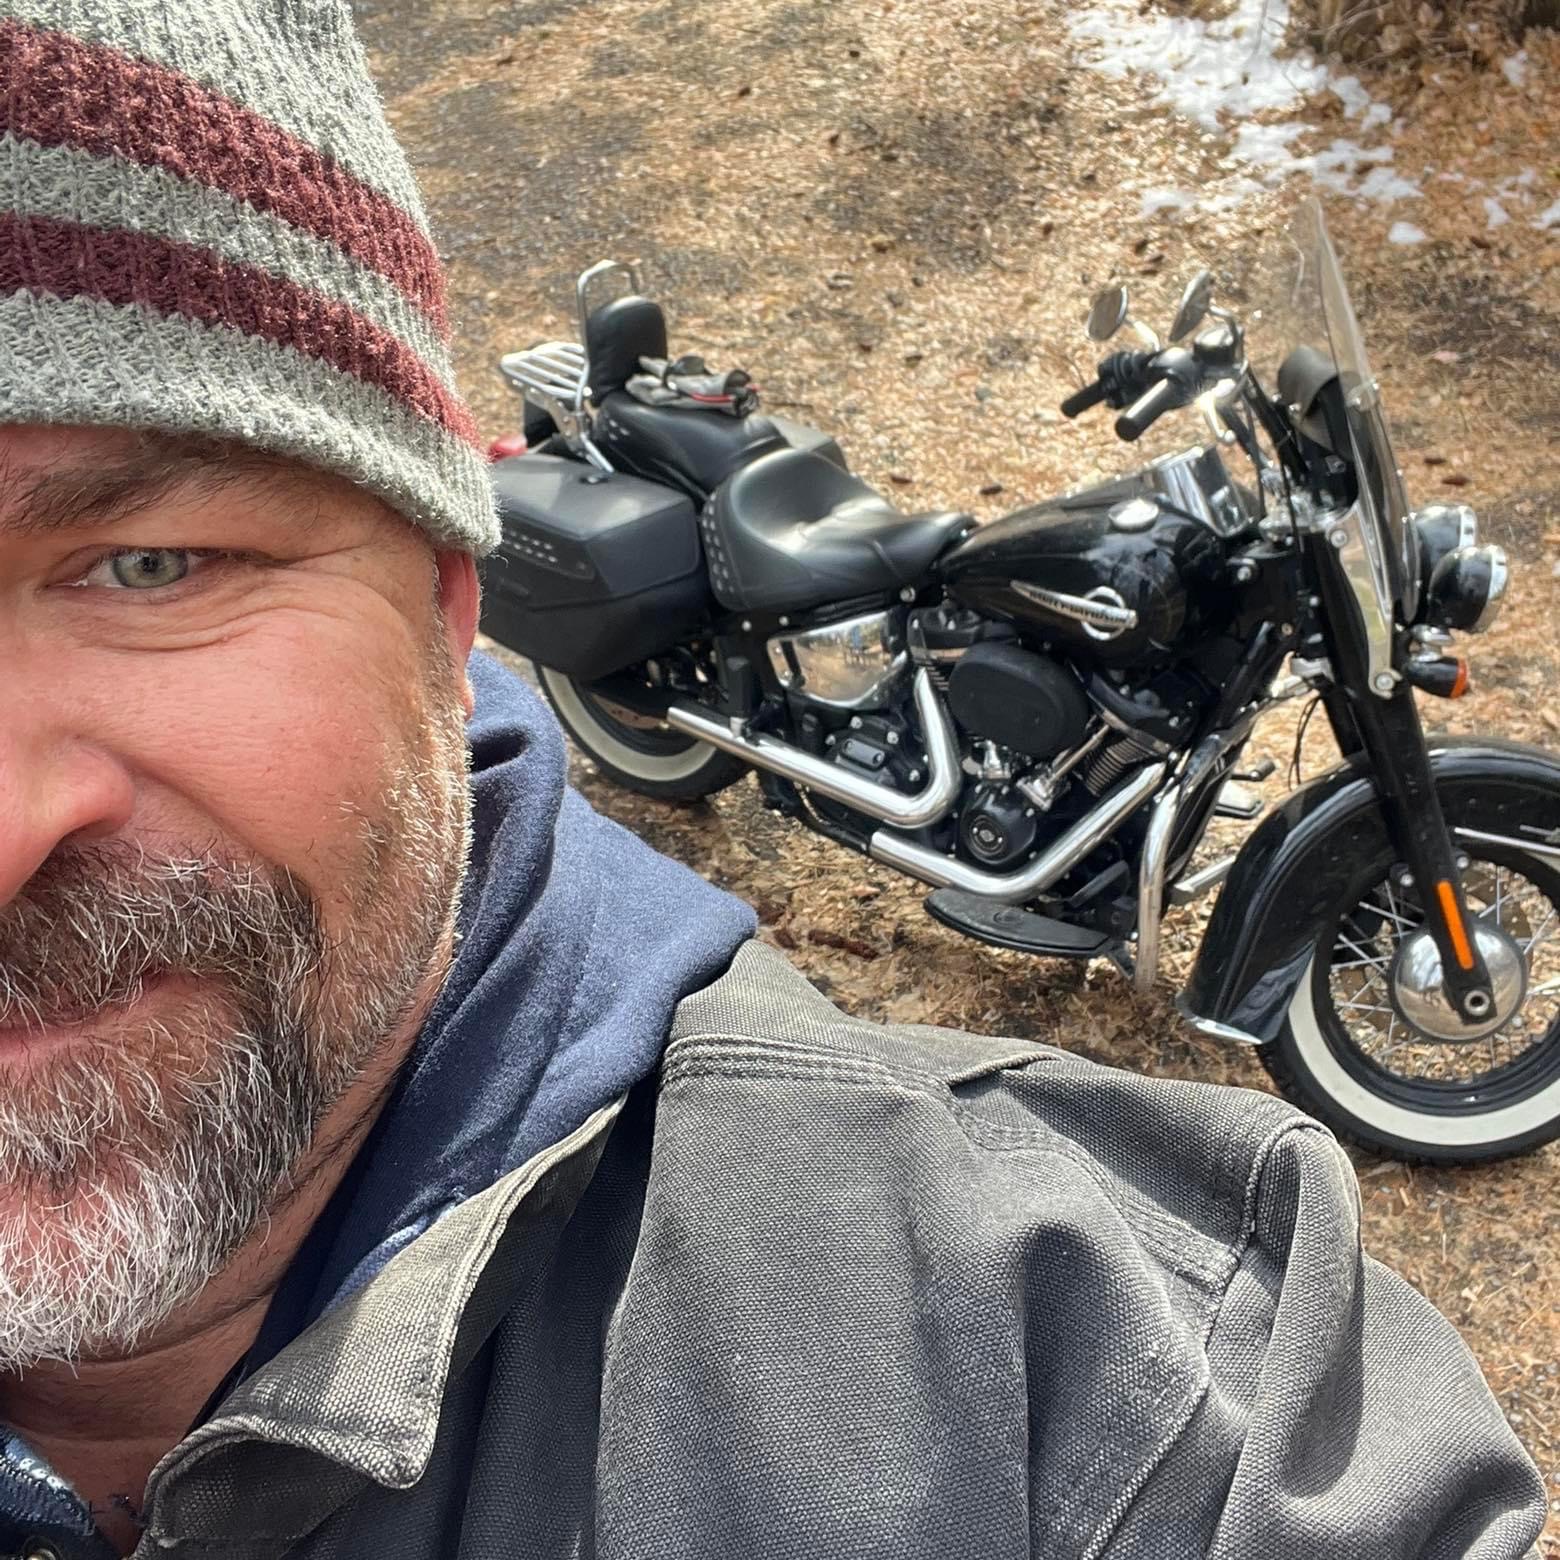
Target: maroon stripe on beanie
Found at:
x=70, y=260
x=57, y=90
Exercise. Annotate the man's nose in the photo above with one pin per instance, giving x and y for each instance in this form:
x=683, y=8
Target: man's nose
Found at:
x=54, y=786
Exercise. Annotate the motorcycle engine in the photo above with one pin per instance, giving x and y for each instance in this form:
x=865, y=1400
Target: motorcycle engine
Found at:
x=880, y=746
x=1022, y=701
x=997, y=826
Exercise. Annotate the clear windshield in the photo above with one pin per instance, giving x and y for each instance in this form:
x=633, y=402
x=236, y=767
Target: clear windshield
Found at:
x=1320, y=299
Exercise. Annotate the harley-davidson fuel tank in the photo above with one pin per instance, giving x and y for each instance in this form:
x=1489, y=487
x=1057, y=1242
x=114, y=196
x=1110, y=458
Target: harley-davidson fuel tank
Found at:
x=1125, y=571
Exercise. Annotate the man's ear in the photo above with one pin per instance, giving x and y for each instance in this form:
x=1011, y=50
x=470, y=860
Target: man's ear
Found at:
x=460, y=601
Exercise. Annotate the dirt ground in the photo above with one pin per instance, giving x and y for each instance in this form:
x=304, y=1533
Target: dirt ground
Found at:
x=893, y=212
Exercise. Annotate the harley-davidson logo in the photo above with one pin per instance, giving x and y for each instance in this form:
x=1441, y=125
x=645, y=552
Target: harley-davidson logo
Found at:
x=1103, y=612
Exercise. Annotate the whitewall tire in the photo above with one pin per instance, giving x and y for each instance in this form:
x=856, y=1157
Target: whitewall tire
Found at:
x=651, y=759
x=1456, y=1109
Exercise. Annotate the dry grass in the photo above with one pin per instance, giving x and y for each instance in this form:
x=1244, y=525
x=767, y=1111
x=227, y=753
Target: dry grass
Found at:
x=893, y=211
x=1388, y=33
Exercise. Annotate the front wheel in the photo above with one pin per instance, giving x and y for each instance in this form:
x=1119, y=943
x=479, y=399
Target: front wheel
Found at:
x=637, y=752
x=1350, y=1052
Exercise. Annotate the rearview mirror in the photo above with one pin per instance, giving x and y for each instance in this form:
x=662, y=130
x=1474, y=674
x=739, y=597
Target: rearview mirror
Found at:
x=1107, y=314
x=1194, y=305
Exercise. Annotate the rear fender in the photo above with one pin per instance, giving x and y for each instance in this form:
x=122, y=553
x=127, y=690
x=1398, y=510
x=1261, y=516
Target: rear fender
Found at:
x=1305, y=857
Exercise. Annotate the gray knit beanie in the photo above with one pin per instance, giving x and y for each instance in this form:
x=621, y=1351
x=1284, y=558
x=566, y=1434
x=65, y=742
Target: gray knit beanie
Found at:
x=206, y=227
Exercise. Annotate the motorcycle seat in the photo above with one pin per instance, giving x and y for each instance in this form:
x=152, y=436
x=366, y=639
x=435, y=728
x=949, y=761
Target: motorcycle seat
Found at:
x=792, y=530
x=687, y=447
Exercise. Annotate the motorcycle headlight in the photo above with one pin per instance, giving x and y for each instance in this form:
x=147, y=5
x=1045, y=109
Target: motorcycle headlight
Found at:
x=1440, y=529
x=1466, y=588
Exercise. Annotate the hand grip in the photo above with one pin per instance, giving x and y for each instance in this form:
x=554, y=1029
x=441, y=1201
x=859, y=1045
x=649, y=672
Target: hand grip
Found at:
x=1147, y=410
x=1082, y=400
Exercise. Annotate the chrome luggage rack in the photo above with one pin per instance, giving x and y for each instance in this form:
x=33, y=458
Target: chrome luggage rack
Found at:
x=555, y=376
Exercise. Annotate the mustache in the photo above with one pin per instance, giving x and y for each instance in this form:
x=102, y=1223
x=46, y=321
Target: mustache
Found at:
x=98, y=921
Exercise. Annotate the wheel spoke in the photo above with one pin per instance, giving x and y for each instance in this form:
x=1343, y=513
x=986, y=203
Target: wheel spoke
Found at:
x=1365, y=1007
x=1542, y=932
x=1364, y=952
x=1387, y=1051
x=1396, y=918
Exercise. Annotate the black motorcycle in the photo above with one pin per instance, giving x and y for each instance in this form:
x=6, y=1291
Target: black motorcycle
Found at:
x=1040, y=715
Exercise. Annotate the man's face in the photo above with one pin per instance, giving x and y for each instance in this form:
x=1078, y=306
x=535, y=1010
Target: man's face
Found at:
x=232, y=829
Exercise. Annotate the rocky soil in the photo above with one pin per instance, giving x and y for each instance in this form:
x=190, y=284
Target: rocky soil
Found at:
x=893, y=213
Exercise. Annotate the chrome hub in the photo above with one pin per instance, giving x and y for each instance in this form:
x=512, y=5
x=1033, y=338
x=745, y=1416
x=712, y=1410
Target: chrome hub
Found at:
x=1420, y=996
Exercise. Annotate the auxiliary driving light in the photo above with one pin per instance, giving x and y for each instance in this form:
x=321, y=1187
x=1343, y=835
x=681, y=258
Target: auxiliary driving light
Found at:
x=1466, y=588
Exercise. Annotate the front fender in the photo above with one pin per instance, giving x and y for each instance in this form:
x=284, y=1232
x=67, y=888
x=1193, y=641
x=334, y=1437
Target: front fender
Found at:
x=1293, y=872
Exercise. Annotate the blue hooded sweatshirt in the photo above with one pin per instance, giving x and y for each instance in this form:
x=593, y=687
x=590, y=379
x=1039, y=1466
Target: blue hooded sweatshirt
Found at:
x=577, y=940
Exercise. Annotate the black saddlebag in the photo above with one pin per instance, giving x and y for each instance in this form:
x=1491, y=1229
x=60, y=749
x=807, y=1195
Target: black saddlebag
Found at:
x=591, y=575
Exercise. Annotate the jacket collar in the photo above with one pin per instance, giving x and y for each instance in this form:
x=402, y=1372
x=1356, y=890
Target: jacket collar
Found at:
x=358, y=1395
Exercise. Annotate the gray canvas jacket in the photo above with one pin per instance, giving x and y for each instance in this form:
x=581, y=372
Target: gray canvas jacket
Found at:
x=825, y=1289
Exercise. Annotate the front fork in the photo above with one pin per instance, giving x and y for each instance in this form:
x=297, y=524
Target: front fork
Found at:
x=1384, y=729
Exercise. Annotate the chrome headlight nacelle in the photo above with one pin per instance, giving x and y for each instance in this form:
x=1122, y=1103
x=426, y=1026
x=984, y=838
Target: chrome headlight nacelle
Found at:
x=1441, y=529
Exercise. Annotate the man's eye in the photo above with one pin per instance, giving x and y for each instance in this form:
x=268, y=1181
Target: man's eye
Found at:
x=142, y=568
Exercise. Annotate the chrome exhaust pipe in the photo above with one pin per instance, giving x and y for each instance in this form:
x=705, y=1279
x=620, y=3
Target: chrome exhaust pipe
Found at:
x=1059, y=858
x=904, y=810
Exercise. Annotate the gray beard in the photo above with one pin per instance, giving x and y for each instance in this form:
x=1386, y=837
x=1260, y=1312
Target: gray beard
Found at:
x=133, y=1168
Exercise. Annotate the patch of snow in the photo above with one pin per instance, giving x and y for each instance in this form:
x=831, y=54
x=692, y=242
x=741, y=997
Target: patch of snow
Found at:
x=1229, y=194
x=1208, y=71
x=1405, y=233
x=1266, y=147
x=1385, y=184
x=1358, y=103
x=1495, y=212
x=1516, y=187
x=1342, y=166
x=1548, y=219
x=1220, y=74
x=1515, y=68
x=1354, y=97
x=1204, y=70
x=1160, y=198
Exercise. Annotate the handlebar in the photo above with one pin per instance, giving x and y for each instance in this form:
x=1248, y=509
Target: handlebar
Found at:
x=1149, y=407
x=1153, y=382
x=1081, y=400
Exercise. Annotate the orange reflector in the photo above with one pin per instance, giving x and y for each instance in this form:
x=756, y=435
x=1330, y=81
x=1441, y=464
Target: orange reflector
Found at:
x=1454, y=924
x=1460, y=682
